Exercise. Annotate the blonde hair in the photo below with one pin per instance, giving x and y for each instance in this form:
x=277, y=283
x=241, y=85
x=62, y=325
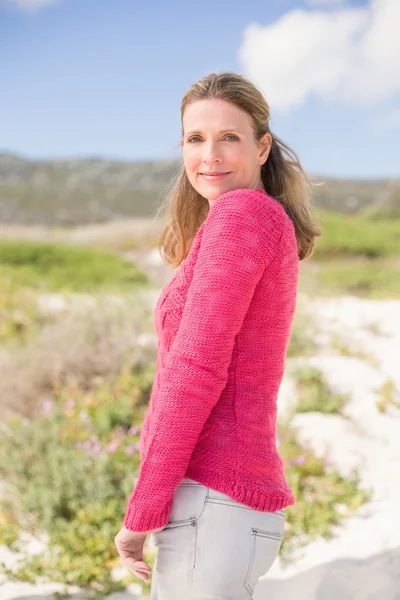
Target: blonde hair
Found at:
x=282, y=175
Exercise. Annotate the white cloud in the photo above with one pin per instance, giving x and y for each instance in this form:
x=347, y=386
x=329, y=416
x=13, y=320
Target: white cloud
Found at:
x=345, y=56
x=30, y=5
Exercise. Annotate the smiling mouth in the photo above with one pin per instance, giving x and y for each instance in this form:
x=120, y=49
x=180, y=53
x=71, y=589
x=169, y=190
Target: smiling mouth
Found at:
x=214, y=174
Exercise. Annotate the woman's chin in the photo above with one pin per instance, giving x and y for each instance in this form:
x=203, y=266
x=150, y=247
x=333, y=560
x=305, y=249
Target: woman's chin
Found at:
x=213, y=191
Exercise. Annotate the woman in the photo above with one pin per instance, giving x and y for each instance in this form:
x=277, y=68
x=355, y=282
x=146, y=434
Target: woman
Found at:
x=211, y=489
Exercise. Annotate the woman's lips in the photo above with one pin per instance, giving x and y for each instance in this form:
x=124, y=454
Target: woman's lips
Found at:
x=215, y=177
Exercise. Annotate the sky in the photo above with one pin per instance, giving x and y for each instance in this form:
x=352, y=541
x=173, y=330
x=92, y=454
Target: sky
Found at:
x=105, y=78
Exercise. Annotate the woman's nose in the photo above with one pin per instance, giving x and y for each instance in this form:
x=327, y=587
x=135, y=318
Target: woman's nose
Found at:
x=211, y=153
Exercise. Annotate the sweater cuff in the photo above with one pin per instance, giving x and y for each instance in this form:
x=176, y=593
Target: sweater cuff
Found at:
x=145, y=520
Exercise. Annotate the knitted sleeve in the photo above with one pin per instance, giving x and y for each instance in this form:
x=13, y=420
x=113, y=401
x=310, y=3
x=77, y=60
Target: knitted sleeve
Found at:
x=235, y=247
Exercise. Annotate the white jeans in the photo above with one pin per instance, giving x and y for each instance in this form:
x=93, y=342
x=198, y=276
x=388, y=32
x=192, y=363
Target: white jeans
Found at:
x=213, y=547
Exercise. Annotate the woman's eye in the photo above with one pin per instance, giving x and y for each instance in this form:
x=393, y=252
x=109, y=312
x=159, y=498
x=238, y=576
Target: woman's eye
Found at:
x=197, y=137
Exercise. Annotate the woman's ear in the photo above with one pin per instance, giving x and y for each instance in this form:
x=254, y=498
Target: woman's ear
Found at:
x=265, y=148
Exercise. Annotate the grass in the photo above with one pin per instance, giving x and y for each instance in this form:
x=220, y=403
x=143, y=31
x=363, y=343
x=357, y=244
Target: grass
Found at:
x=19, y=317
x=302, y=340
x=362, y=278
x=324, y=497
x=60, y=267
x=314, y=394
x=354, y=236
x=354, y=256
x=349, y=349
x=389, y=396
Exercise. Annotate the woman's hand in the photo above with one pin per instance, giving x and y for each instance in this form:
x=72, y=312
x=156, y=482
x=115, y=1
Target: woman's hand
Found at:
x=130, y=548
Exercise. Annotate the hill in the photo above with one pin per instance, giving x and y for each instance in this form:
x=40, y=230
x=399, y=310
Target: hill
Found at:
x=95, y=190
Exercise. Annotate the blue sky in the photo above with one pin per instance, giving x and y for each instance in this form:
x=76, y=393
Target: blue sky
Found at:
x=106, y=77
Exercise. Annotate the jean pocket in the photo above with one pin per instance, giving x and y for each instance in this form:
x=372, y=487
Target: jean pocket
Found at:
x=188, y=503
x=184, y=523
x=264, y=547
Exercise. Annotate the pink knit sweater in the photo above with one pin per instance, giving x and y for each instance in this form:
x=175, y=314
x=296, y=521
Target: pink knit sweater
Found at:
x=223, y=324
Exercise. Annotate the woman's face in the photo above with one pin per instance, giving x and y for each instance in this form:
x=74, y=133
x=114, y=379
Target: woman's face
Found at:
x=218, y=138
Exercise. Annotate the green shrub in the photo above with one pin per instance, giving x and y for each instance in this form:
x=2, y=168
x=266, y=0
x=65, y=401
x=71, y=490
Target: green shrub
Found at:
x=351, y=349
x=19, y=317
x=370, y=279
x=313, y=392
x=60, y=267
x=324, y=497
x=302, y=337
x=353, y=235
x=69, y=473
x=389, y=396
